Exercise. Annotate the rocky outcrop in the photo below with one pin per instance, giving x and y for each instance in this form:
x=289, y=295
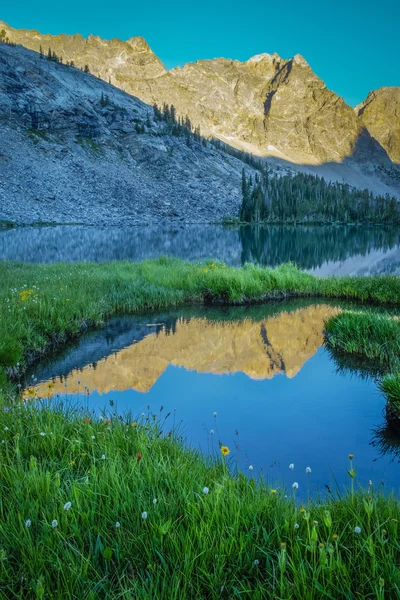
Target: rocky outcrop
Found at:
x=76, y=149
x=260, y=349
x=380, y=114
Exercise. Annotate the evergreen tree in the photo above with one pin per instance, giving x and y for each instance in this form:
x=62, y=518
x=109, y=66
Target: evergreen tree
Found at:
x=86, y=69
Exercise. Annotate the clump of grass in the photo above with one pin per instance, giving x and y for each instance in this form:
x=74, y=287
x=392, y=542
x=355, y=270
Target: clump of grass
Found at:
x=120, y=508
x=369, y=334
x=88, y=143
x=390, y=386
x=34, y=134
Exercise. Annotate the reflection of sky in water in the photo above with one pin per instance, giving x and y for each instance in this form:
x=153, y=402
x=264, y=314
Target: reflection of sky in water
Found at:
x=342, y=250
x=269, y=378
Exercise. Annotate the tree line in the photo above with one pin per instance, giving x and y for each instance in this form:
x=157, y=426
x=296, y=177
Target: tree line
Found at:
x=177, y=125
x=53, y=56
x=4, y=39
x=308, y=198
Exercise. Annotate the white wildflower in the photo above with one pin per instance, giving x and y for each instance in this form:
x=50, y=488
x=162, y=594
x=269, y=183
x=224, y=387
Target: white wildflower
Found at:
x=256, y=562
x=295, y=485
x=67, y=505
x=205, y=490
x=357, y=529
x=296, y=525
x=154, y=500
x=42, y=433
x=308, y=470
x=54, y=523
x=28, y=523
x=144, y=515
x=215, y=414
x=291, y=466
x=251, y=467
x=103, y=457
x=117, y=524
x=211, y=431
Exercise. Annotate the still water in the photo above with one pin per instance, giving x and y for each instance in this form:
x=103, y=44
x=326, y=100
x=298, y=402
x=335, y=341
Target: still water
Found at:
x=324, y=250
x=280, y=397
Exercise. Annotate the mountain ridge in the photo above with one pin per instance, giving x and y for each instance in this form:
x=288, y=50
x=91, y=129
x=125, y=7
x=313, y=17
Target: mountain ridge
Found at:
x=227, y=98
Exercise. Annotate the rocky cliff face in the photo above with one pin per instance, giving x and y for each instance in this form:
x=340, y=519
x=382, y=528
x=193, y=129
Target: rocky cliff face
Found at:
x=267, y=105
x=380, y=114
x=66, y=155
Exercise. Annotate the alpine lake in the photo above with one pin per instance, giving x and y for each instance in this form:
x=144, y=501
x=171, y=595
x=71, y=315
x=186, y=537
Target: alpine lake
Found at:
x=255, y=378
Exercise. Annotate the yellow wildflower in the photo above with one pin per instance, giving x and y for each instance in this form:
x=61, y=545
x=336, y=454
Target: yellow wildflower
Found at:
x=72, y=462
x=302, y=510
x=273, y=491
x=134, y=424
x=335, y=536
x=205, y=270
x=283, y=545
x=225, y=450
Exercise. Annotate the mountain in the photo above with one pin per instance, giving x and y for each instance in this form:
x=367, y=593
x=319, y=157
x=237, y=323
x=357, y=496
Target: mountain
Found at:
x=380, y=114
x=267, y=105
x=98, y=161
x=75, y=149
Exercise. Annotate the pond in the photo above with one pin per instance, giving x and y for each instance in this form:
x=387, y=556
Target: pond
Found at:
x=278, y=394
x=324, y=250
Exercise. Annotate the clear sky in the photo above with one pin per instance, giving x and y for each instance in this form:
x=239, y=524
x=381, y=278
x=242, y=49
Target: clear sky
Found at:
x=353, y=45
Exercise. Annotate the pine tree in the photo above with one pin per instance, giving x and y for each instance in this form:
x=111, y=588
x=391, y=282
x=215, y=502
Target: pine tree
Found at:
x=86, y=69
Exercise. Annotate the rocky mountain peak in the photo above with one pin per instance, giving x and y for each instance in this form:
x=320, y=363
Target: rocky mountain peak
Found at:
x=380, y=114
x=267, y=105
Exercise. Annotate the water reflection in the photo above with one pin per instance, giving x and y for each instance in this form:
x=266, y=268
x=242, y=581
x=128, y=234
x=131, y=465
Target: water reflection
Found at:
x=260, y=349
x=263, y=369
x=323, y=249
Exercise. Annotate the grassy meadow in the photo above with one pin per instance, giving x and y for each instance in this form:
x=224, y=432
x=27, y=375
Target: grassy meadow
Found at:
x=118, y=507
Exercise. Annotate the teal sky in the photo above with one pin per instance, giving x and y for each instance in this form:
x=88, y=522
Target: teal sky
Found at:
x=352, y=45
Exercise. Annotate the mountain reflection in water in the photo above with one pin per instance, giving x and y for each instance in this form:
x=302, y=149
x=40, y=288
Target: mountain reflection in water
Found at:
x=263, y=369
x=260, y=349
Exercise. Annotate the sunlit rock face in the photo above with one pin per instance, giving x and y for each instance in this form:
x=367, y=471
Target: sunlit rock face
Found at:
x=113, y=59
x=260, y=349
x=380, y=113
x=267, y=105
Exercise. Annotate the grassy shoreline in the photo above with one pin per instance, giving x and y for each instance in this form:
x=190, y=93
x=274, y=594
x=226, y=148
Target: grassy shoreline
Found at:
x=42, y=304
x=149, y=517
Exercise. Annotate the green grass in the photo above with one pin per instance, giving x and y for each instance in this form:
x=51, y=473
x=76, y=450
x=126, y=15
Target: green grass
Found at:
x=239, y=540
x=368, y=334
x=390, y=386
